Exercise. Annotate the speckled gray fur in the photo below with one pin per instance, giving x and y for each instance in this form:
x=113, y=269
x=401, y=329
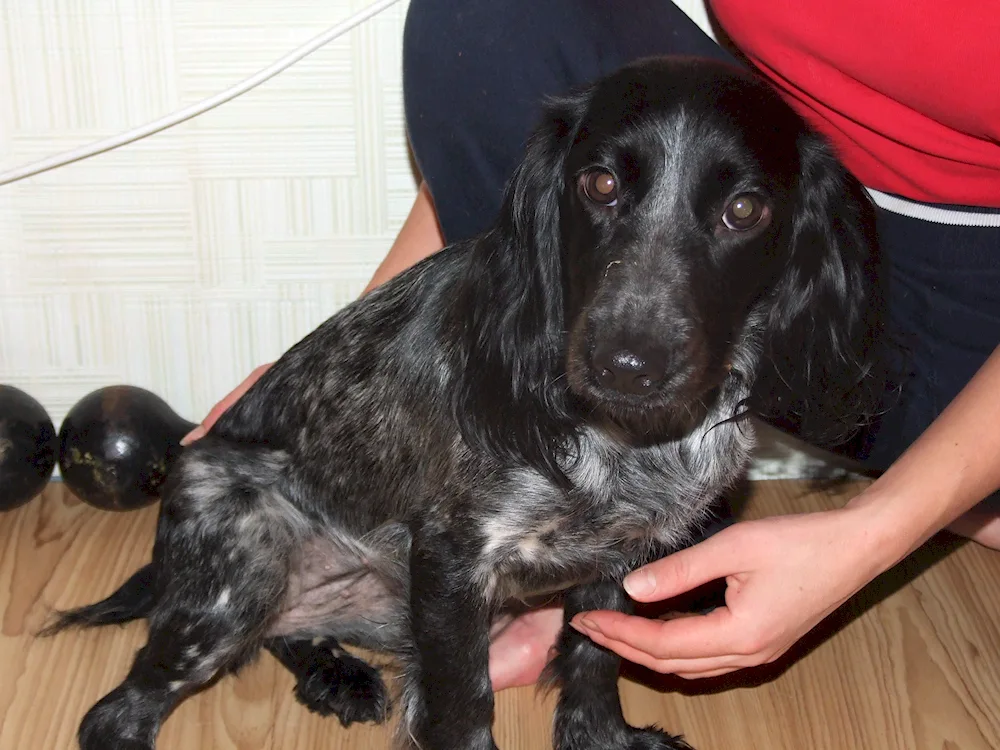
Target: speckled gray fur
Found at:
x=446, y=444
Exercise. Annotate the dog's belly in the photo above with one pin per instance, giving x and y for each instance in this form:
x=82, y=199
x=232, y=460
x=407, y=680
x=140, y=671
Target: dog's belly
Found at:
x=340, y=588
x=317, y=604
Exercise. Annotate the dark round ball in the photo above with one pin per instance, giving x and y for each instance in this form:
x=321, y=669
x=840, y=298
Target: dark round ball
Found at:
x=28, y=447
x=116, y=446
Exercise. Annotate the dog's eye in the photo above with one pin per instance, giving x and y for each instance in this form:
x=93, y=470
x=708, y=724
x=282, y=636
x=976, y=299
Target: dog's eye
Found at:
x=601, y=187
x=744, y=213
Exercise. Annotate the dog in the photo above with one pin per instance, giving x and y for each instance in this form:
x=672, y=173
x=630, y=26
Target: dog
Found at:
x=542, y=408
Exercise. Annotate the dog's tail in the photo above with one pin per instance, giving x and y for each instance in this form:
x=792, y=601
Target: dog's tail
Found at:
x=132, y=601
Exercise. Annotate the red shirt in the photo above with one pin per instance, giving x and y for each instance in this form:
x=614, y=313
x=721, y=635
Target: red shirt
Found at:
x=908, y=91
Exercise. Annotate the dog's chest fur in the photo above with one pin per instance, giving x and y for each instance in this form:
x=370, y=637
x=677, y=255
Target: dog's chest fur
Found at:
x=627, y=501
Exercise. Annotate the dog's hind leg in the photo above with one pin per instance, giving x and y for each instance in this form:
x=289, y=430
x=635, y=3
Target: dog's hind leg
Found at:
x=331, y=681
x=224, y=548
x=589, y=714
x=184, y=652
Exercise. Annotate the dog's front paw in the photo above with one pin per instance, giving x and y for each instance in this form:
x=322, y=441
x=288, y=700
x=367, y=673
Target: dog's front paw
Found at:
x=652, y=738
x=620, y=737
x=344, y=686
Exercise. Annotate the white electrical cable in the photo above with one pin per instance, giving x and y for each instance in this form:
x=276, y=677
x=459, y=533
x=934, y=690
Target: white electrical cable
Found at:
x=130, y=136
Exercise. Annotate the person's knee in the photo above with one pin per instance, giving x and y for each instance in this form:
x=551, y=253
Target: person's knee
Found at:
x=476, y=72
x=431, y=44
x=474, y=75
x=456, y=55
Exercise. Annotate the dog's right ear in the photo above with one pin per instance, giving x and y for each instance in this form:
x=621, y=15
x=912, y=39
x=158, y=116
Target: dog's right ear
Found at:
x=513, y=307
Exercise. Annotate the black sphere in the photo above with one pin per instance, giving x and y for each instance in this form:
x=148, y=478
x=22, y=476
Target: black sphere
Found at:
x=28, y=447
x=116, y=446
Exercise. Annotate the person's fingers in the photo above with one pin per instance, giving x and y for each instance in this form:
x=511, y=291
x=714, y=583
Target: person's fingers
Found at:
x=683, y=571
x=227, y=401
x=711, y=635
x=685, y=668
x=684, y=675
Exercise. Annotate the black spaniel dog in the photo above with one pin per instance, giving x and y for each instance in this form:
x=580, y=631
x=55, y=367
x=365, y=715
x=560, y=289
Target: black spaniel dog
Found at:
x=542, y=408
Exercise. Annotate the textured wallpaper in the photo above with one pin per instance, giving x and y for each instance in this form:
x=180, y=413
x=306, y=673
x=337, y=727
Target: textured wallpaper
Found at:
x=181, y=262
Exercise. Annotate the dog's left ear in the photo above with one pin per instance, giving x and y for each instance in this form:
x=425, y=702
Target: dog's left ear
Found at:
x=824, y=367
x=529, y=230
x=513, y=305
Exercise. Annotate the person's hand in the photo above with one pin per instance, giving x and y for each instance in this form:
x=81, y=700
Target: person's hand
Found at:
x=520, y=647
x=783, y=576
x=217, y=410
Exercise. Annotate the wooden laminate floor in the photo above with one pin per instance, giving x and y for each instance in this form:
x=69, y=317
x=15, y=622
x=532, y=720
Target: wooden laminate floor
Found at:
x=911, y=664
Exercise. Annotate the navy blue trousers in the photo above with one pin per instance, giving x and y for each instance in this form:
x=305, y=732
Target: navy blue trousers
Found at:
x=475, y=72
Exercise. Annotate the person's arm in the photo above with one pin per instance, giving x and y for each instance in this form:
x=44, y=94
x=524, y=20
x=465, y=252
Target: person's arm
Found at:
x=786, y=574
x=419, y=237
x=953, y=466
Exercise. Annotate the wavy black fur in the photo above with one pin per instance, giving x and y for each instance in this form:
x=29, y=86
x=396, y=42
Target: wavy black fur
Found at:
x=132, y=601
x=542, y=408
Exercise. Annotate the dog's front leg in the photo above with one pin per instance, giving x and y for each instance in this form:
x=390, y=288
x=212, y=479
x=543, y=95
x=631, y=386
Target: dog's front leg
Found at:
x=589, y=714
x=448, y=697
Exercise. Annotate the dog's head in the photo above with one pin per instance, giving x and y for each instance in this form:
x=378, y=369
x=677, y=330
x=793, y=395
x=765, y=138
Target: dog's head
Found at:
x=677, y=224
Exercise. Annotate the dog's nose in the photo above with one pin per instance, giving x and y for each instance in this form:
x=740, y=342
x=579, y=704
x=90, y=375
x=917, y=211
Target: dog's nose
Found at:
x=633, y=372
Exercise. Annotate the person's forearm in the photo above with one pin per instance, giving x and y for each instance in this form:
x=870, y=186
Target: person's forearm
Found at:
x=419, y=237
x=949, y=469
